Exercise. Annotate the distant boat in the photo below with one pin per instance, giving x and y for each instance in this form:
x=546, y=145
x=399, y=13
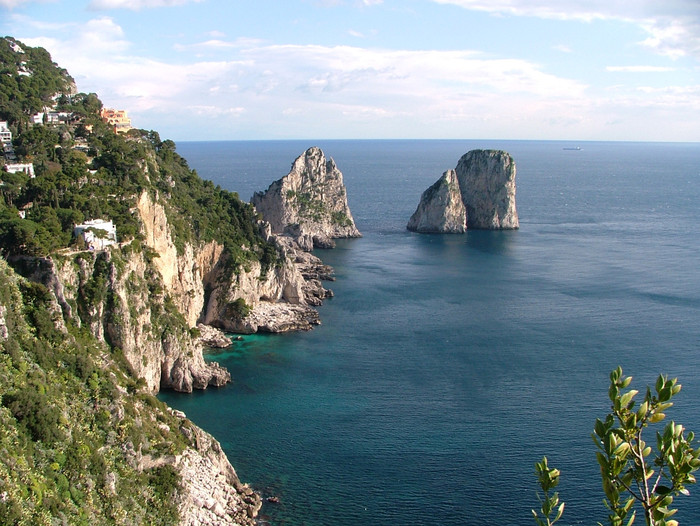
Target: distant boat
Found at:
x=576, y=148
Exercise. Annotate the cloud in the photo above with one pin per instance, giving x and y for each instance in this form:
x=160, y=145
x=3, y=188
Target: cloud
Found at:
x=673, y=25
x=639, y=69
x=135, y=5
x=261, y=90
x=217, y=44
x=11, y=4
x=96, y=37
x=673, y=38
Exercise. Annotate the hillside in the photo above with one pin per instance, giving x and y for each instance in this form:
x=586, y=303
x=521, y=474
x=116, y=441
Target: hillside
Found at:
x=96, y=319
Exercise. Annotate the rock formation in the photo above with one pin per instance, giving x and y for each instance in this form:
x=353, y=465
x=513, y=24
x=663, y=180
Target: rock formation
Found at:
x=487, y=181
x=211, y=492
x=441, y=209
x=309, y=204
x=479, y=193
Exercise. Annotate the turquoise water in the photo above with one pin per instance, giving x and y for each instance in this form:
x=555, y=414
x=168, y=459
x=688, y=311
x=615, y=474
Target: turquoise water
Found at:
x=445, y=366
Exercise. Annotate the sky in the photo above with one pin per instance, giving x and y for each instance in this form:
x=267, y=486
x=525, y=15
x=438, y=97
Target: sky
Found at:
x=621, y=70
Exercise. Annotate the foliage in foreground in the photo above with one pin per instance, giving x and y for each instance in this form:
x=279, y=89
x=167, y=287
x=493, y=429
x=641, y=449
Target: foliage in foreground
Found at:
x=632, y=472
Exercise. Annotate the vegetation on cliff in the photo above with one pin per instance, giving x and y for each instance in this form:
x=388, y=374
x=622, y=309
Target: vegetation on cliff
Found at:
x=84, y=170
x=82, y=440
x=73, y=424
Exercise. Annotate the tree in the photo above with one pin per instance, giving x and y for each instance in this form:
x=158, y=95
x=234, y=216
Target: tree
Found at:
x=632, y=472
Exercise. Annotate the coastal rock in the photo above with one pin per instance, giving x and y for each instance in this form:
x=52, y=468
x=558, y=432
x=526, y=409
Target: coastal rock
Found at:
x=487, y=181
x=479, y=193
x=211, y=494
x=309, y=204
x=441, y=208
x=212, y=337
x=203, y=289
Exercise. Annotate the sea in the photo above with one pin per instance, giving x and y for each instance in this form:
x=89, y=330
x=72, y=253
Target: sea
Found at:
x=447, y=365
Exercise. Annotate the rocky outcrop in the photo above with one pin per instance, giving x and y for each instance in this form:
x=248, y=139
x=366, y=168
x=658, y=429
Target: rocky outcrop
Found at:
x=309, y=204
x=120, y=298
x=250, y=299
x=441, y=208
x=479, y=193
x=212, y=337
x=212, y=493
x=184, y=275
x=278, y=300
x=487, y=181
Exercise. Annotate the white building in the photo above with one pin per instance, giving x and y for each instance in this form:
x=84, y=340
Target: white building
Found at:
x=5, y=133
x=27, y=168
x=97, y=233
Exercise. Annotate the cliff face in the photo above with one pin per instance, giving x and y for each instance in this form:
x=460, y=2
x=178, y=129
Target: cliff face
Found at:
x=183, y=276
x=125, y=456
x=278, y=300
x=487, y=181
x=309, y=204
x=479, y=193
x=211, y=494
x=145, y=302
x=441, y=208
x=121, y=300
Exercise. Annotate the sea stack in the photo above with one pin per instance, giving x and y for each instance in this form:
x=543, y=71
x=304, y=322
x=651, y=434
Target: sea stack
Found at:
x=309, y=204
x=484, y=180
x=441, y=209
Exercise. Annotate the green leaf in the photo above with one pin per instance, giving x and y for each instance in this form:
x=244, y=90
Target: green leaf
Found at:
x=660, y=381
x=627, y=397
x=657, y=417
x=642, y=411
x=622, y=450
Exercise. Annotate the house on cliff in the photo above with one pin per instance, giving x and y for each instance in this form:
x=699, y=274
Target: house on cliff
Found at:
x=5, y=133
x=116, y=118
x=98, y=234
x=27, y=168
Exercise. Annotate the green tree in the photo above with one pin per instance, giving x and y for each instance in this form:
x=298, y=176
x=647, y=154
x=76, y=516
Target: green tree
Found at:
x=633, y=473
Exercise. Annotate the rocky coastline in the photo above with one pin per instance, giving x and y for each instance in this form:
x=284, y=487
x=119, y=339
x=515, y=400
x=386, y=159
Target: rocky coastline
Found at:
x=162, y=306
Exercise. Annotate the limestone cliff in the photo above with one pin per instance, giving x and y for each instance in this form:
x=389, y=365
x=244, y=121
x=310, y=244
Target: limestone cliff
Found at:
x=122, y=301
x=211, y=493
x=309, y=203
x=278, y=300
x=479, y=193
x=183, y=276
x=134, y=460
x=441, y=208
x=487, y=181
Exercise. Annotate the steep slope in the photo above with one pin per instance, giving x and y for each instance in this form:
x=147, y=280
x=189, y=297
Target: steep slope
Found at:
x=82, y=441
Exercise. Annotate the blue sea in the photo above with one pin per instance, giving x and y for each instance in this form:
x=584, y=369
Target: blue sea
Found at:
x=447, y=365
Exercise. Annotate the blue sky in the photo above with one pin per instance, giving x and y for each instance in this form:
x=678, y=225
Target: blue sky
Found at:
x=311, y=69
